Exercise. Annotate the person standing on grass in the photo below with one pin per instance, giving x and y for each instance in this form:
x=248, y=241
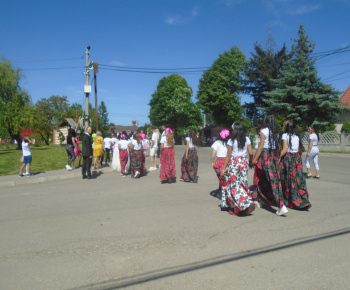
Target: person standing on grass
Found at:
x=27, y=156
x=87, y=153
x=77, y=151
x=70, y=148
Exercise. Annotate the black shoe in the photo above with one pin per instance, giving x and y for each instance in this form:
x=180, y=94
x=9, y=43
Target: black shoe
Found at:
x=84, y=177
x=89, y=177
x=164, y=181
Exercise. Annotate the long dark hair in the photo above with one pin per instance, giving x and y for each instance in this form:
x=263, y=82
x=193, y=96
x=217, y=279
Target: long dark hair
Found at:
x=291, y=130
x=316, y=131
x=193, y=136
x=274, y=135
x=238, y=133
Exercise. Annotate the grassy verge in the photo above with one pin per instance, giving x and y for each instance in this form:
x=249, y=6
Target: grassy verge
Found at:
x=45, y=158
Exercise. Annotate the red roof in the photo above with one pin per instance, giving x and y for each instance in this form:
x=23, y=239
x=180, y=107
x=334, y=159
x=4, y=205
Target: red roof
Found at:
x=345, y=97
x=26, y=132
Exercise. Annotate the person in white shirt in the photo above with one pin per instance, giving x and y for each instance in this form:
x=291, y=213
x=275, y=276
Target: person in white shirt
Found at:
x=235, y=172
x=153, y=150
x=219, y=153
x=269, y=187
x=27, y=156
x=291, y=167
x=167, y=157
x=189, y=162
x=123, y=153
x=136, y=156
x=313, y=152
x=108, y=145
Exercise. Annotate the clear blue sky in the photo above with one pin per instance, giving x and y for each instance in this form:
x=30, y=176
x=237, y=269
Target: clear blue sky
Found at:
x=47, y=40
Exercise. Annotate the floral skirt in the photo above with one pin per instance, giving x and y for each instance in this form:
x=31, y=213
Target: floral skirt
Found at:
x=269, y=187
x=293, y=182
x=167, y=164
x=219, y=164
x=123, y=157
x=137, y=160
x=189, y=166
x=236, y=189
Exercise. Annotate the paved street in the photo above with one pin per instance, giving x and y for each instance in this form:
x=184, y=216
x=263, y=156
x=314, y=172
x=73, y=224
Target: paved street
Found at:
x=62, y=232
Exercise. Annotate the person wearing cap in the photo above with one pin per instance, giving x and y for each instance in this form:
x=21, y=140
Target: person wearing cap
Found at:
x=218, y=157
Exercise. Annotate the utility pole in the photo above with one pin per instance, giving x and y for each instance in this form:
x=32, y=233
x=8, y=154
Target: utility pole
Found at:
x=87, y=87
x=95, y=85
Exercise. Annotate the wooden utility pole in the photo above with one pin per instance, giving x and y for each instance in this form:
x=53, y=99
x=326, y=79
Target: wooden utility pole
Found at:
x=95, y=84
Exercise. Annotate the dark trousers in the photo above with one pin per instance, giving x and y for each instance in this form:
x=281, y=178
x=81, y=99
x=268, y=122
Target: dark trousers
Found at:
x=86, y=169
x=70, y=152
x=107, y=155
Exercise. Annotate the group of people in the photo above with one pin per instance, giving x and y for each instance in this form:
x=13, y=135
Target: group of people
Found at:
x=279, y=179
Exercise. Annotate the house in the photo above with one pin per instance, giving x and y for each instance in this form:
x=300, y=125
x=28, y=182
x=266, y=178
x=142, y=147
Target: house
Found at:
x=345, y=98
x=128, y=129
x=63, y=127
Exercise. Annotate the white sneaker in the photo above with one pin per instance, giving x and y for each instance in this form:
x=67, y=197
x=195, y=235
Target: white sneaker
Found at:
x=257, y=204
x=151, y=169
x=136, y=174
x=121, y=174
x=282, y=211
x=68, y=167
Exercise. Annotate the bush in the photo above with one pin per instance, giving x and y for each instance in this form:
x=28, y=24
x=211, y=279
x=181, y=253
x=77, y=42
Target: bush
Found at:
x=346, y=127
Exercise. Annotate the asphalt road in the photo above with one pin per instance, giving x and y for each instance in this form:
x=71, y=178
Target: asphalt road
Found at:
x=113, y=232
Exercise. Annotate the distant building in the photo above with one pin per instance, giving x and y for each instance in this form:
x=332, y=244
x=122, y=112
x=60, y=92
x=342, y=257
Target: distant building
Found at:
x=63, y=127
x=128, y=129
x=345, y=98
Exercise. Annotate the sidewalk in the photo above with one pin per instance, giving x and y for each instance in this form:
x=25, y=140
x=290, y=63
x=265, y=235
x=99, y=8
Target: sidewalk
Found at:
x=39, y=177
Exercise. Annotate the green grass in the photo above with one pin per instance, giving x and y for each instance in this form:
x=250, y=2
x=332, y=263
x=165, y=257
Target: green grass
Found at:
x=45, y=158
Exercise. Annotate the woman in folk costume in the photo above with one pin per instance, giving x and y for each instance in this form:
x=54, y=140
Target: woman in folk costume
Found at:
x=269, y=187
x=291, y=166
x=136, y=156
x=123, y=154
x=235, y=172
x=145, y=146
x=219, y=153
x=167, y=157
x=189, y=163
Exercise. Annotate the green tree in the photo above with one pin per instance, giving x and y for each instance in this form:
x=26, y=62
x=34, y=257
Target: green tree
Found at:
x=264, y=66
x=49, y=112
x=171, y=105
x=220, y=86
x=103, y=118
x=15, y=109
x=300, y=95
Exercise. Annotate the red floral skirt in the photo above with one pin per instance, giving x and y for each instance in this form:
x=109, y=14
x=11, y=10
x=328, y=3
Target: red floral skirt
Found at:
x=219, y=164
x=123, y=157
x=189, y=166
x=167, y=164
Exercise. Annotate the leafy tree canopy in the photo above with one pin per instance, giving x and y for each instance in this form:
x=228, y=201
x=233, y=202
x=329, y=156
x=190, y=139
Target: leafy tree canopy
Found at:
x=171, y=105
x=220, y=86
x=15, y=108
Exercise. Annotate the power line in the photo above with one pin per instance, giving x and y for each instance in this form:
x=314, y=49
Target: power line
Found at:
x=49, y=60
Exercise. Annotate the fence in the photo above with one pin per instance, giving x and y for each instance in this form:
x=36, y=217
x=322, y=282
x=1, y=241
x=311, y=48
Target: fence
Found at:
x=329, y=141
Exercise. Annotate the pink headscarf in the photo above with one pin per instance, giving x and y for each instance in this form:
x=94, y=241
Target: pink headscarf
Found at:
x=224, y=133
x=142, y=136
x=168, y=130
x=122, y=136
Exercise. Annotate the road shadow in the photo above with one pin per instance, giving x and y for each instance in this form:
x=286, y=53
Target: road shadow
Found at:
x=181, y=269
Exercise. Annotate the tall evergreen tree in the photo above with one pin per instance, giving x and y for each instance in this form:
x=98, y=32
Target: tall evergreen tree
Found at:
x=300, y=95
x=103, y=118
x=220, y=86
x=264, y=66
